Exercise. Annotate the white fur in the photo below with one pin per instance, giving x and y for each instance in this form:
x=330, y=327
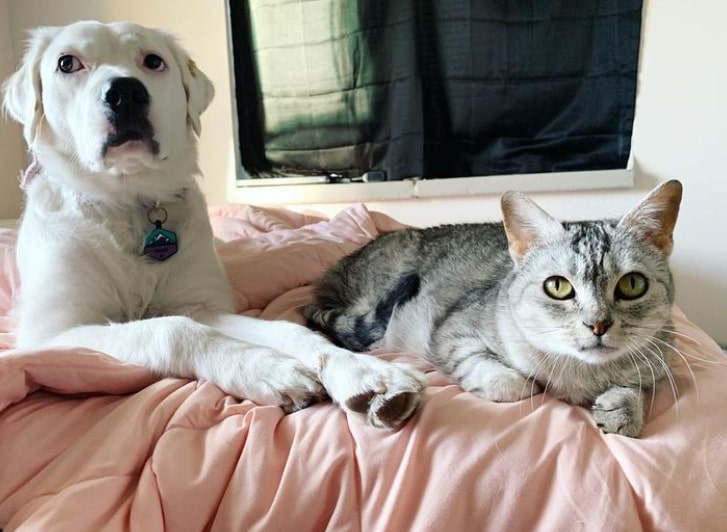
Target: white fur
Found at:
x=84, y=281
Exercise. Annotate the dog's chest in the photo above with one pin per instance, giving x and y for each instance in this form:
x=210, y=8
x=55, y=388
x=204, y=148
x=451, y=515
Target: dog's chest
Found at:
x=111, y=247
x=98, y=250
x=137, y=279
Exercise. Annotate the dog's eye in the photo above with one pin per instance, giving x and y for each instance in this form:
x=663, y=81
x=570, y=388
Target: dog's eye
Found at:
x=68, y=64
x=154, y=62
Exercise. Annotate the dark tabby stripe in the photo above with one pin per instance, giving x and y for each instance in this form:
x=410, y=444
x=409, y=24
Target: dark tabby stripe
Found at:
x=368, y=328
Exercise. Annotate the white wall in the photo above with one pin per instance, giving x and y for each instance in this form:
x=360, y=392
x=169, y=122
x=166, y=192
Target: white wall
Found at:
x=680, y=130
x=11, y=152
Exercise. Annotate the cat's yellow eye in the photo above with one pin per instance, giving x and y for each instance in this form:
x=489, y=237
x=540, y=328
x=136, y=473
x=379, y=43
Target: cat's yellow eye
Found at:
x=631, y=286
x=559, y=288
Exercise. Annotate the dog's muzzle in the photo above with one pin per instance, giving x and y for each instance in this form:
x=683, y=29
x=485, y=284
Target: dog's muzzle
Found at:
x=127, y=106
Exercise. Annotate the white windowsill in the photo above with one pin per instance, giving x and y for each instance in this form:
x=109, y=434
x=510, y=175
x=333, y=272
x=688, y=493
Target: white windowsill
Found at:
x=432, y=188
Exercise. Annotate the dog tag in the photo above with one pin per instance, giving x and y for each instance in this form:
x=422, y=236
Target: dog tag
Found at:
x=159, y=243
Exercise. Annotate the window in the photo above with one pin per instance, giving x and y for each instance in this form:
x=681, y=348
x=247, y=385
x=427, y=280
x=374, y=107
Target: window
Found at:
x=385, y=90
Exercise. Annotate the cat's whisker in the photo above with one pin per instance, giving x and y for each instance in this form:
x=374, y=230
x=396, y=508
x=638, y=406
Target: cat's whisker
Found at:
x=532, y=378
x=686, y=354
x=667, y=372
x=636, y=367
x=542, y=331
x=532, y=394
x=555, y=361
x=673, y=330
x=680, y=353
x=541, y=328
x=683, y=356
x=565, y=364
x=694, y=358
x=635, y=351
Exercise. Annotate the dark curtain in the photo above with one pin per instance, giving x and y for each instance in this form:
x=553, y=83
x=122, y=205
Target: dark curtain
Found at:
x=434, y=88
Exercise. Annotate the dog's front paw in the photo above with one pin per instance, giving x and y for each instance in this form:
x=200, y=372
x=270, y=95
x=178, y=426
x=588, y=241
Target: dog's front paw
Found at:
x=387, y=393
x=268, y=377
x=619, y=411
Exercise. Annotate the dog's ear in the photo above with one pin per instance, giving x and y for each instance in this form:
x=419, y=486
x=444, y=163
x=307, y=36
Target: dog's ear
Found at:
x=197, y=86
x=22, y=92
x=200, y=92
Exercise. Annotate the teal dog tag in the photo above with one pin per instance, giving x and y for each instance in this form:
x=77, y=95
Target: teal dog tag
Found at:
x=159, y=243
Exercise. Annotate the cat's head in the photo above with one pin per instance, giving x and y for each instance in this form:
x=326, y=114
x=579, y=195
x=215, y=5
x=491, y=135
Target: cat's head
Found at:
x=595, y=290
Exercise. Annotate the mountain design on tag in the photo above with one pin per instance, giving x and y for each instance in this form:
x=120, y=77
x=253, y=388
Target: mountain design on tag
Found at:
x=160, y=244
x=162, y=240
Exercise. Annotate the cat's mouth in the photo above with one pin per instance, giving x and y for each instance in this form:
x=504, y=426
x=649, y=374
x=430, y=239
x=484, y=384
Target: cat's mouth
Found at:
x=601, y=349
x=599, y=352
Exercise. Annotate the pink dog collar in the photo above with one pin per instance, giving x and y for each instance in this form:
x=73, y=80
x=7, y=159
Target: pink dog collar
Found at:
x=29, y=173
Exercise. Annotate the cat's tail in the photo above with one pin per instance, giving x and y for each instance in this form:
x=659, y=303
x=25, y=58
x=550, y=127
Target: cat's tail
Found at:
x=356, y=331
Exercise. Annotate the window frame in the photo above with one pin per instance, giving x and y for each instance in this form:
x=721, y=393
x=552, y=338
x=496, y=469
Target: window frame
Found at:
x=300, y=190
x=412, y=189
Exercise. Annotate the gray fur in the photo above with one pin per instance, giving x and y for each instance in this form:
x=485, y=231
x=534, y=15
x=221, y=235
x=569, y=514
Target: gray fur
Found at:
x=471, y=300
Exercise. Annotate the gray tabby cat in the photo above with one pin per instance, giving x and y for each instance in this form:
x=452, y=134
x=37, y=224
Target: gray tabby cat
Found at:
x=507, y=310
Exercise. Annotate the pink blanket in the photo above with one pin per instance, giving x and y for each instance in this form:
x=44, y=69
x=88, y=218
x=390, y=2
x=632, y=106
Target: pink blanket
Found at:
x=88, y=443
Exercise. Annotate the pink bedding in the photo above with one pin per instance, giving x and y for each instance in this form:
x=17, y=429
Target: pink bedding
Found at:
x=88, y=443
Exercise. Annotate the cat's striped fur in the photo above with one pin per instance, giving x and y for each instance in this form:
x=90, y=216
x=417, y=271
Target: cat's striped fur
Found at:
x=476, y=300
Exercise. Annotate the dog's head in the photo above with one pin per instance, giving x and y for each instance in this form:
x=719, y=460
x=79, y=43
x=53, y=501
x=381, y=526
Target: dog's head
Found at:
x=110, y=98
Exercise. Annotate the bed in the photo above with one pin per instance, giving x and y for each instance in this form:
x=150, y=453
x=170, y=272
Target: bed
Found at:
x=89, y=443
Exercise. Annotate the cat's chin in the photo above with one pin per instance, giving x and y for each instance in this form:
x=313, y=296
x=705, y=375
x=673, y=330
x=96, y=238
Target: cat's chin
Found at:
x=600, y=354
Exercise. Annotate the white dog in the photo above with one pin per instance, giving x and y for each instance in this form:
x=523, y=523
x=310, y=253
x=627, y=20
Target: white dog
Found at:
x=115, y=250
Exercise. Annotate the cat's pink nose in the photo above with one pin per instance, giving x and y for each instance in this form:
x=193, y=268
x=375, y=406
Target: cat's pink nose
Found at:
x=599, y=328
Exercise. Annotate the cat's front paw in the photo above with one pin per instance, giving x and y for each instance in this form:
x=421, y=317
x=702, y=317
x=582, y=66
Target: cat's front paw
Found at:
x=386, y=393
x=619, y=411
x=507, y=389
x=495, y=382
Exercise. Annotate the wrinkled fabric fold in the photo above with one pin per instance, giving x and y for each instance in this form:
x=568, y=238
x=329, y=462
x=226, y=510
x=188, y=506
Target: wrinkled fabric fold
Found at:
x=88, y=443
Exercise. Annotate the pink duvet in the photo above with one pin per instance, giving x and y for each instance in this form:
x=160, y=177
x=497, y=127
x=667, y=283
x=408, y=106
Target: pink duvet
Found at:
x=88, y=443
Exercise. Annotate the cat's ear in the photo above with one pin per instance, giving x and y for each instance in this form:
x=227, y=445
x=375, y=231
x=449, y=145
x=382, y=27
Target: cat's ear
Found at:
x=655, y=217
x=526, y=224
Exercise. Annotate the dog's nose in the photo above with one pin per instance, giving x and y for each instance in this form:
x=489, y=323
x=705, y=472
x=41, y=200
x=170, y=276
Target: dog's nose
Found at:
x=127, y=96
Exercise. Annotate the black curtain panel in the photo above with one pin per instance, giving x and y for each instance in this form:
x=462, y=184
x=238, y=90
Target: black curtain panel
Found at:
x=434, y=88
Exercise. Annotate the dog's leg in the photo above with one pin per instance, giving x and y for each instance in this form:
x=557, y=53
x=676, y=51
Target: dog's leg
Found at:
x=181, y=347
x=387, y=393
